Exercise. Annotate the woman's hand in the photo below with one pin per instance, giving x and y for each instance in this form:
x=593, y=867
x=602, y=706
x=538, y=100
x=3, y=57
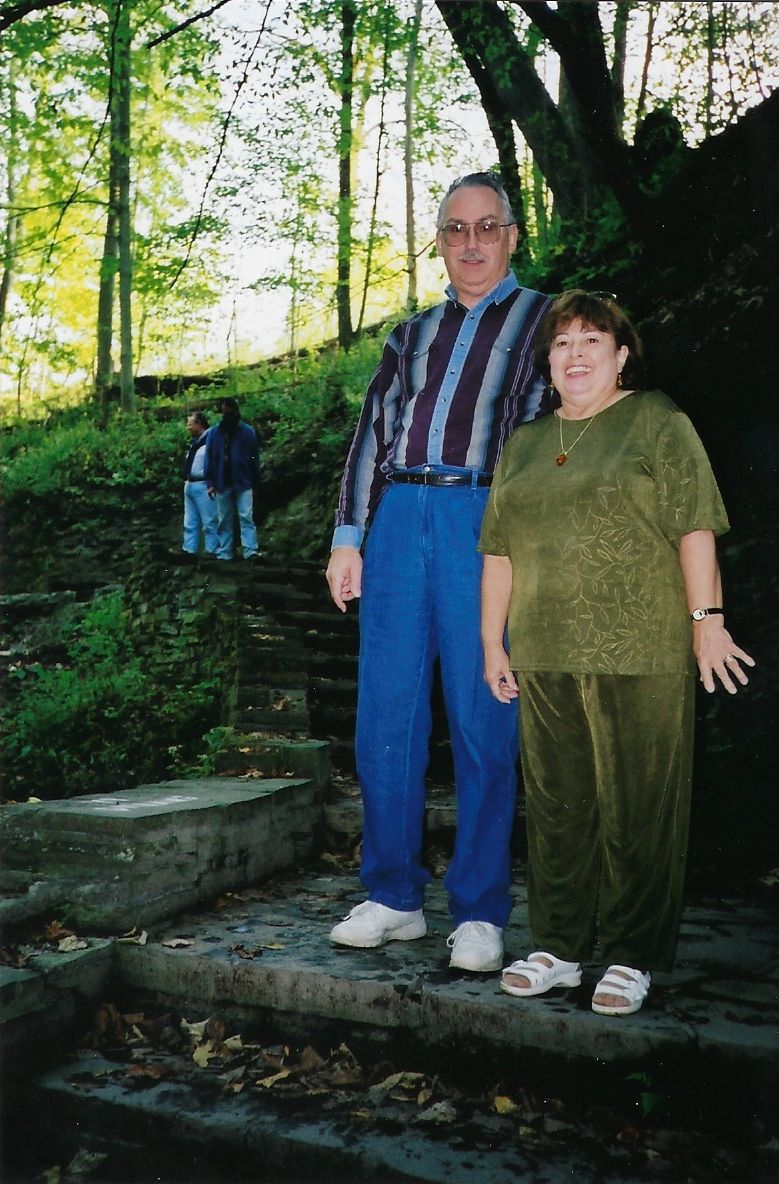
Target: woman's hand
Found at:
x=498, y=675
x=717, y=654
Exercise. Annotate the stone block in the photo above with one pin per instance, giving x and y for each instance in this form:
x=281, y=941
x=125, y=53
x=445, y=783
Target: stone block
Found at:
x=131, y=858
x=276, y=757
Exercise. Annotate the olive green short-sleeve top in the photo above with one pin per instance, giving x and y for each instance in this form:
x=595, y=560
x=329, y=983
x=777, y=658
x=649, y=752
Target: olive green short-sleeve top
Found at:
x=594, y=543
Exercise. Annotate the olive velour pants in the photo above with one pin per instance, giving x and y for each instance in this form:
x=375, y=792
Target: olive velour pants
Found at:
x=607, y=764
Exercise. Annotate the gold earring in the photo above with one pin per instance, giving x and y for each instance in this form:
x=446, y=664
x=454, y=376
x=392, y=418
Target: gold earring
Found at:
x=619, y=380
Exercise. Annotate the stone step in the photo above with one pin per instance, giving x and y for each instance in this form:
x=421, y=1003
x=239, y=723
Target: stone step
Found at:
x=342, y=811
x=270, y=697
x=286, y=720
x=338, y=729
x=327, y=622
x=334, y=665
x=274, y=757
x=191, y=1128
x=118, y=860
x=265, y=960
x=270, y=673
x=45, y=1001
x=339, y=645
x=333, y=692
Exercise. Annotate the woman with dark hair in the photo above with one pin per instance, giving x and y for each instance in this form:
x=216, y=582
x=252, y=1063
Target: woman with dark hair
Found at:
x=599, y=553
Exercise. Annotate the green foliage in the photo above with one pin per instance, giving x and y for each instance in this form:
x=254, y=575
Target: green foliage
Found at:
x=38, y=460
x=216, y=740
x=101, y=721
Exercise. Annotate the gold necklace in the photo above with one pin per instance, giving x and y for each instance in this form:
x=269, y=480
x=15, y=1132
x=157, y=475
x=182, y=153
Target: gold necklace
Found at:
x=563, y=456
x=564, y=451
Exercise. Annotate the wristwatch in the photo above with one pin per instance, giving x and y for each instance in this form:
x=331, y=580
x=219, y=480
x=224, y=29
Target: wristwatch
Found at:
x=698, y=614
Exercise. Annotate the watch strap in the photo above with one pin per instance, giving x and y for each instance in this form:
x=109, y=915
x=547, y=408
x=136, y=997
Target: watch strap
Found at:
x=698, y=614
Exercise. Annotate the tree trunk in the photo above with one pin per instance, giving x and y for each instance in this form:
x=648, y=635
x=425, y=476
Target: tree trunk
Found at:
x=12, y=220
x=573, y=30
x=412, y=300
x=122, y=148
x=343, y=283
x=650, y=32
x=503, y=69
x=382, y=133
x=621, y=18
x=109, y=265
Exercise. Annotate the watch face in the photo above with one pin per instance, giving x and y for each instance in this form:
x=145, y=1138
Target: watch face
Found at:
x=698, y=614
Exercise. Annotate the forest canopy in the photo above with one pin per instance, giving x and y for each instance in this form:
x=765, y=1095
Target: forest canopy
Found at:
x=186, y=185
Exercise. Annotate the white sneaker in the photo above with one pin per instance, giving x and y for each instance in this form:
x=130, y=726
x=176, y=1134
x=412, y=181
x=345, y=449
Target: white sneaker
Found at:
x=371, y=924
x=476, y=945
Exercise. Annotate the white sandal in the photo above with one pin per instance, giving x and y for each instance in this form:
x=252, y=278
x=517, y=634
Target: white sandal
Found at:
x=628, y=984
x=540, y=976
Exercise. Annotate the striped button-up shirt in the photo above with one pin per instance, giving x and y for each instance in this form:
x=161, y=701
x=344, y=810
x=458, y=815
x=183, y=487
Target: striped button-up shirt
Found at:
x=451, y=386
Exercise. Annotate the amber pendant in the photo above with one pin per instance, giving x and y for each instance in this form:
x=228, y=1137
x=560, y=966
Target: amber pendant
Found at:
x=561, y=459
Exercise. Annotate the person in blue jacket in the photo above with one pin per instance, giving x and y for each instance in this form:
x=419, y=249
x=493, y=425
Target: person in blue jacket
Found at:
x=232, y=466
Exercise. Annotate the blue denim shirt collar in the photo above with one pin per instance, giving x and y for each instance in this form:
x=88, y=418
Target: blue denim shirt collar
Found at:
x=507, y=285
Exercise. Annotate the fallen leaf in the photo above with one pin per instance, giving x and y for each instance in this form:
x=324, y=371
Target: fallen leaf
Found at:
x=136, y=936
x=196, y=1031
x=68, y=944
x=268, y=1082
x=205, y=1052
x=14, y=958
x=310, y=1060
x=440, y=1113
x=247, y=952
x=54, y=931
x=148, y=1072
x=395, y=1081
x=177, y=943
x=34, y=801
x=504, y=1105
x=272, y=945
x=84, y=1163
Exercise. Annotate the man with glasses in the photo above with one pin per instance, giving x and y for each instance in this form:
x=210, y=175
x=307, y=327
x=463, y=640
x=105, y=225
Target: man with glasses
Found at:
x=453, y=383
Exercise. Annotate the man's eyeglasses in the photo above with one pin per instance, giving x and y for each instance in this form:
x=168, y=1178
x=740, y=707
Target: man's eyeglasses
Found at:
x=487, y=231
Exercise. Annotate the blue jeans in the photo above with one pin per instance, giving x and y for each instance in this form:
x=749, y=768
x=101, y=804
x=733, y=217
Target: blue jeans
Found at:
x=420, y=601
x=244, y=504
x=199, y=514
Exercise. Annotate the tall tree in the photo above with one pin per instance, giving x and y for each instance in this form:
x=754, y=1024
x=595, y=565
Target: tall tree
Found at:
x=123, y=150
x=109, y=265
x=502, y=66
x=409, y=94
x=346, y=85
x=11, y=228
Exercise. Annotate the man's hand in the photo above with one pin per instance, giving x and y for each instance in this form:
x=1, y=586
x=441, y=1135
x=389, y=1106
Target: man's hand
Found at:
x=344, y=575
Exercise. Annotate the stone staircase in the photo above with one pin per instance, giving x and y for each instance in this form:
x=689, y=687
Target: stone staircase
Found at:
x=297, y=685
x=209, y=901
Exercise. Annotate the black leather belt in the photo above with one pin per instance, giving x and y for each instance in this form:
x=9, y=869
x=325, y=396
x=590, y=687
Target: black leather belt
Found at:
x=197, y=478
x=402, y=477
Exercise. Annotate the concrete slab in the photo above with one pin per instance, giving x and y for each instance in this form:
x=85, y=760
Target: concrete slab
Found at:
x=41, y=1002
x=131, y=858
x=248, y=1137
x=274, y=954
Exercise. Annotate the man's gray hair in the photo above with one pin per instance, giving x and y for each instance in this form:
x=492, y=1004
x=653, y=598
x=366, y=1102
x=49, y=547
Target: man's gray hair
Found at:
x=477, y=181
